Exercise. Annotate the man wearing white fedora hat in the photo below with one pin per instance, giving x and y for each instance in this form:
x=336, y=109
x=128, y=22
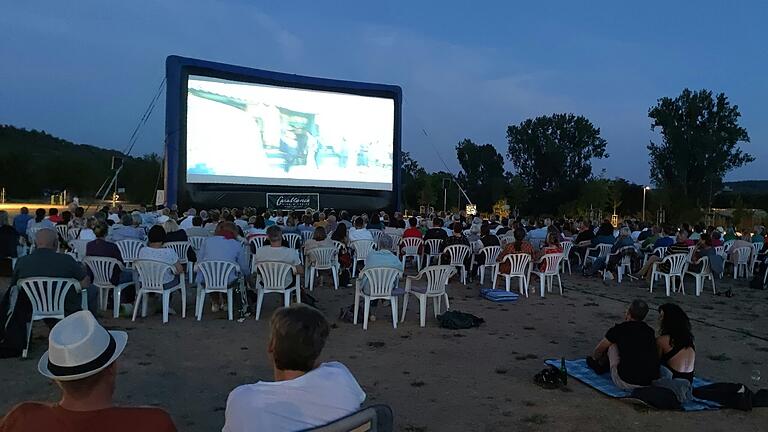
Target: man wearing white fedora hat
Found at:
x=81, y=359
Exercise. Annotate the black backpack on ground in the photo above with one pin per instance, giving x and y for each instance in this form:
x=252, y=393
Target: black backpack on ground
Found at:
x=456, y=320
x=14, y=317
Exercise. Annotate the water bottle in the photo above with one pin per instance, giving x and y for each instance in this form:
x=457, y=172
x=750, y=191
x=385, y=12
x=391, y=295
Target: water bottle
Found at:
x=563, y=371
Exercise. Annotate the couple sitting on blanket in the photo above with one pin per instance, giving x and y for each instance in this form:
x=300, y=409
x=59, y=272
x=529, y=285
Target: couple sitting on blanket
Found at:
x=633, y=355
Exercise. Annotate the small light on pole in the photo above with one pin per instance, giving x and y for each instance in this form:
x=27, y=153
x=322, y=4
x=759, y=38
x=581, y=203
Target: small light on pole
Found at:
x=645, y=189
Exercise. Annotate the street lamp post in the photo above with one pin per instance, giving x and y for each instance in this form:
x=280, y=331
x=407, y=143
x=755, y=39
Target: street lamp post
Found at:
x=645, y=189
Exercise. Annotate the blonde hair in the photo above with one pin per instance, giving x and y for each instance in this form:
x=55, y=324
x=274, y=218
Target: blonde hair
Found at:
x=170, y=226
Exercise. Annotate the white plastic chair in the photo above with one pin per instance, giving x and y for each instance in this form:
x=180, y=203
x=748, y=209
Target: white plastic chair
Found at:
x=63, y=231
x=307, y=234
x=129, y=250
x=396, y=238
x=274, y=277
x=434, y=246
x=437, y=282
x=151, y=274
x=727, y=245
x=47, y=296
x=73, y=233
x=624, y=265
x=742, y=257
x=379, y=283
x=197, y=242
x=520, y=268
x=102, y=269
x=257, y=242
x=376, y=234
x=216, y=279
x=677, y=264
x=457, y=254
x=603, y=250
x=411, y=246
x=362, y=249
x=552, y=269
x=78, y=247
x=567, y=246
x=181, y=249
x=659, y=252
x=756, y=248
x=292, y=239
x=490, y=256
x=700, y=277
x=340, y=246
x=323, y=258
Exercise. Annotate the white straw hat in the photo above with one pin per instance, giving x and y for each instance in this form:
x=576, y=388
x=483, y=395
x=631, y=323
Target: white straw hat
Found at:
x=79, y=347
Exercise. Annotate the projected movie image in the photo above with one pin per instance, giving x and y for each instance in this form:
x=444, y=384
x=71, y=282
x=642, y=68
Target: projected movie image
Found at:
x=244, y=133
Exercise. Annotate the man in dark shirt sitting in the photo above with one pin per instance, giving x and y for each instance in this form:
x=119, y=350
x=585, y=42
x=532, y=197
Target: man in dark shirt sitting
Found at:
x=436, y=232
x=628, y=350
x=458, y=238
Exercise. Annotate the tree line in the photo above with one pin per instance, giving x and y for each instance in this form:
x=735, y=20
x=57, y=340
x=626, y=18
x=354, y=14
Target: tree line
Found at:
x=552, y=156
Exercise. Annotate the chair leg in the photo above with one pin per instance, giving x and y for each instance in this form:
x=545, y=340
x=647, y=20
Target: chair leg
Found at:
x=144, y=302
x=422, y=310
x=541, y=284
x=311, y=278
x=137, y=303
x=298, y=294
x=366, y=311
x=418, y=262
x=482, y=274
x=29, y=337
x=286, y=298
x=354, y=267
x=560, y=284
x=183, y=301
x=199, y=302
x=357, y=306
x=393, y=305
x=667, y=282
x=230, y=304
x=335, y=273
x=116, y=303
x=259, y=300
x=166, y=302
x=405, y=306
x=435, y=305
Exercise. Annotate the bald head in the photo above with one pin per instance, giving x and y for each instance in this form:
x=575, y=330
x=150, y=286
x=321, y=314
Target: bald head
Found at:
x=46, y=239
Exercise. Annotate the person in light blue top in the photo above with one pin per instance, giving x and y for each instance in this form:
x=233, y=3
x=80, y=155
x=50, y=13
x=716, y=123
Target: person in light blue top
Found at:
x=223, y=246
x=600, y=263
x=758, y=235
x=126, y=231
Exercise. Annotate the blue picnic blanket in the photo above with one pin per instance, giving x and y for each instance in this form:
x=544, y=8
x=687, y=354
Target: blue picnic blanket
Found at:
x=498, y=295
x=603, y=383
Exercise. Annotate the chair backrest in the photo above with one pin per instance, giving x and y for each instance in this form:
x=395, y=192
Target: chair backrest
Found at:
x=434, y=246
x=323, y=257
x=216, y=274
x=78, y=247
x=102, y=269
x=363, y=248
x=197, y=242
x=518, y=263
x=567, y=246
x=706, y=270
x=73, y=233
x=604, y=250
x=376, y=234
x=340, y=246
x=457, y=253
x=274, y=275
x=742, y=254
x=152, y=274
x=375, y=418
x=660, y=251
x=396, y=239
x=292, y=239
x=506, y=239
x=258, y=241
x=676, y=262
x=437, y=277
x=411, y=245
x=553, y=262
x=129, y=250
x=691, y=249
x=307, y=234
x=728, y=245
x=63, y=231
x=756, y=248
x=47, y=295
x=381, y=280
x=491, y=254
x=180, y=248
x=720, y=250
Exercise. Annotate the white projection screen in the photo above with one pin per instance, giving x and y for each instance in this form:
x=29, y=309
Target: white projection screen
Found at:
x=255, y=134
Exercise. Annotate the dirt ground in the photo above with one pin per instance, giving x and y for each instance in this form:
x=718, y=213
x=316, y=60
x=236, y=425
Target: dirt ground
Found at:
x=437, y=379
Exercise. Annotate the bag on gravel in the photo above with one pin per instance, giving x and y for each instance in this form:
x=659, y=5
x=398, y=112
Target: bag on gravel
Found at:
x=456, y=320
x=549, y=378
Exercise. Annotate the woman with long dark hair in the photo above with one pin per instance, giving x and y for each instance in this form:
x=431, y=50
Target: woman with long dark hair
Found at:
x=515, y=247
x=675, y=342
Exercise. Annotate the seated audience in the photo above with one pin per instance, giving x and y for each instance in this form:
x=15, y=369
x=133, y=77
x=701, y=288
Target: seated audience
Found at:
x=717, y=238
x=340, y=234
x=53, y=215
x=743, y=242
x=39, y=222
x=375, y=222
x=125, y=230
x=551, y=246
x=21, y=220
x=277, y=252
x=628, y=350
x=610, y=263
x=457, y=238
x=515, y=247
x=196, y=228
x=223, y=246
x=758, y=235
x=319, y=240
x=413, y=229
x=676, y=350
x=82, y=361
x=679, y=247
x=186, y=223
x=359, y=232
x=44, y=261
x=156, y=252
x=305, y=393
x=9, y=238
x=102, y=248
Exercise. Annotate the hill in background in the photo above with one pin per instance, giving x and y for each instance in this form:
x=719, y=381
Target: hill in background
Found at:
x=33, y=163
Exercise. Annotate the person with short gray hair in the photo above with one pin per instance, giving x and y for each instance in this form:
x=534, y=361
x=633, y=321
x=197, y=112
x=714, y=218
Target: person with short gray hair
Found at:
x=125, y=230
x=275, y=251
x=609, y=264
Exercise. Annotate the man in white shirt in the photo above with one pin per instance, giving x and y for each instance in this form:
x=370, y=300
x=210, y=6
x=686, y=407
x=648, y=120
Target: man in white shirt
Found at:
x=305, y=394
x=186, y=223
x=359, y=232
x=276, y=251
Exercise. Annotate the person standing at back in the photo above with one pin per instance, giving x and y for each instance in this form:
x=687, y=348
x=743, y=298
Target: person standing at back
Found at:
x=628, y=350
x=82, y=360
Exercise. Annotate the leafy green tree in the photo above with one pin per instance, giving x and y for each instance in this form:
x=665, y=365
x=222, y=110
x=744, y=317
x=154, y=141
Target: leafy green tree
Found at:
x=482, y=173
x=552, y=155
x=700, y=137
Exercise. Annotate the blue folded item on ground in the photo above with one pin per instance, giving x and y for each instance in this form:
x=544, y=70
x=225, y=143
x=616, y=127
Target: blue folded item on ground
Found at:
x=498, y=295
x=603, y=383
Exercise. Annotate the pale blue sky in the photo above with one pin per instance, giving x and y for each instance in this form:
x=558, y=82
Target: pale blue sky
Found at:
x=85, y=70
